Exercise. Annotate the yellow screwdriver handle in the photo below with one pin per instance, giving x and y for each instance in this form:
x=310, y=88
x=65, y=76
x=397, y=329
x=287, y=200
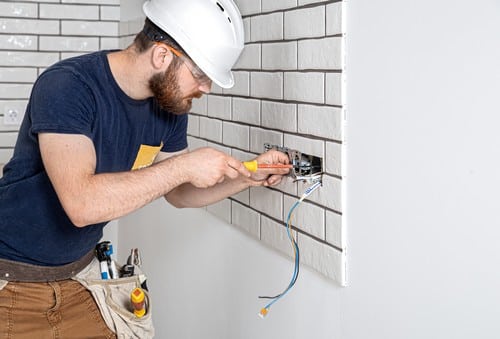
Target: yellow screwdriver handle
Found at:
x=251, y=165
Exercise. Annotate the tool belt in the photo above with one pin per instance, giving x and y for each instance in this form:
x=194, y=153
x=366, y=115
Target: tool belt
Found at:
x=23, y=272
x=113, y=299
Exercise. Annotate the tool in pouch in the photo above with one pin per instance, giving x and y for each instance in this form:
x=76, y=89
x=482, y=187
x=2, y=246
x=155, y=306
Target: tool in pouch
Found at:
x=113, y=294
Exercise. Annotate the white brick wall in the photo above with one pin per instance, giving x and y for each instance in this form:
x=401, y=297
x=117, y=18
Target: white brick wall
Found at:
x=293, y=96
x=36, y=34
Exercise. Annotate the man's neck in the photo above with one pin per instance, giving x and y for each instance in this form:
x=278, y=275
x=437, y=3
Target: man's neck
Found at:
x=129, y=70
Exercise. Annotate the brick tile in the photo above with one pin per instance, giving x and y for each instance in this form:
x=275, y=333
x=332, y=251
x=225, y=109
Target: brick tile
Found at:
x=89, y=28
x=324, y=259
x=273, y=5
x=60, y=43
x=266, y=85
x=250, y=57
x=306, y=216
x=18, y=9
x=19, y=42
x=267, y=201
x=333, y=158
x=276, y=236
x=15, y=91
x=246, y=219
x=334, y=23
x=211, y=129
x=236, y=135
x=279, y=116
x=334, y=234
x=248, y=7
x=221, y=209
x=77, y=12
x=28, y=26
x=329, y=194
x=334, y=95
x=305, y=145
x=305, y=23
x=321, y=121
x=110, y=13
x=241, y=84
x=219, y=107
x=259, y=136
x=194, y=125
x=17, y=74
x=321, y=54
x=246, y=110
x=267, y=27
x=200, y=105
x=279, y=56
x=221, y=148
x=305, y=87
x=242, y=197
x=194, y=143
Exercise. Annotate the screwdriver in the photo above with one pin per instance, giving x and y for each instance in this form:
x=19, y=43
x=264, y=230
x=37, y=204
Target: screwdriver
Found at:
x=252, y=166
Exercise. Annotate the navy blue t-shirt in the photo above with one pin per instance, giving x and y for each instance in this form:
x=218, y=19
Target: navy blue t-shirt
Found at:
x=75, y=96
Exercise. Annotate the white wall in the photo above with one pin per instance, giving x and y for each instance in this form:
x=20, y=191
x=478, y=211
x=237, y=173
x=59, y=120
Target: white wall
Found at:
x=423, y=159
x=422, y=181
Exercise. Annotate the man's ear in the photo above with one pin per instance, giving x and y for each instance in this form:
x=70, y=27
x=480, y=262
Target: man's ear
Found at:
x=161, y=56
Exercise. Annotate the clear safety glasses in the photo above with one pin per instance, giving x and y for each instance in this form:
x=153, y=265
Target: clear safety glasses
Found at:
x=197, y=73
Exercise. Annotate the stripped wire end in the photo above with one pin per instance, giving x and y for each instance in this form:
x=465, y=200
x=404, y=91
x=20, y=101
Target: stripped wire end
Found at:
x=263, y=312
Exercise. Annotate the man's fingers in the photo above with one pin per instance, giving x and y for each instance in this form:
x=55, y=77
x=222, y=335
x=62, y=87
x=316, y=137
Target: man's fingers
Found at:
x=238, y=167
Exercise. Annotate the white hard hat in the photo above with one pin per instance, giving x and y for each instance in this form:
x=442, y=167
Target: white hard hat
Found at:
x=210, y=31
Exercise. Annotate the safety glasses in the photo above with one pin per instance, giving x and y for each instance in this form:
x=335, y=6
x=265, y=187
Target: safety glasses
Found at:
x=197, y=73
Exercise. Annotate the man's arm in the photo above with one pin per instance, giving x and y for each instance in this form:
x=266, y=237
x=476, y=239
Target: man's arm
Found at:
x=89, y=198
x=187, y=195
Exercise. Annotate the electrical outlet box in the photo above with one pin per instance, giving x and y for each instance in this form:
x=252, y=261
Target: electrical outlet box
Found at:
x=305, y=167
x=12, y=116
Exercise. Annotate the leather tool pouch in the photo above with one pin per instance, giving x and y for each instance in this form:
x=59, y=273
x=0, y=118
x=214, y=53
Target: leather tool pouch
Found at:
x=113, y=298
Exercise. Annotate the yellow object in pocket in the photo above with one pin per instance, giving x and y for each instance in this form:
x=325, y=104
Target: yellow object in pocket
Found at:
x=137, y=298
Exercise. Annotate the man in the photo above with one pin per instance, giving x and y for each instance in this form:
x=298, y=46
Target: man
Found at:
x=105, y=134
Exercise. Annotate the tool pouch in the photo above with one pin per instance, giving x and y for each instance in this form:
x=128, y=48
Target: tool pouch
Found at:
x=113, y=298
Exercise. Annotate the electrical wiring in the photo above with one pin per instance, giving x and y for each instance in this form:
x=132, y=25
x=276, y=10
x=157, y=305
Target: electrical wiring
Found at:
x=263, y=312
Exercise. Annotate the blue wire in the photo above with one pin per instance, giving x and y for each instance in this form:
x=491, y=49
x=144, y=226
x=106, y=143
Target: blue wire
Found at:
x=296, y=269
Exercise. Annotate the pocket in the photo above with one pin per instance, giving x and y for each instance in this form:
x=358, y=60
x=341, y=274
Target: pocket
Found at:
x=113, y=299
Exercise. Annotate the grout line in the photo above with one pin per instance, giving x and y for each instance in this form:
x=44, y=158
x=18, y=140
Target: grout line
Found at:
x=312, y=5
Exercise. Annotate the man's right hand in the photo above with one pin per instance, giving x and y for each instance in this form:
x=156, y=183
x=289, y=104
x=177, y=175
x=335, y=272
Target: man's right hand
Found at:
x=206, y=167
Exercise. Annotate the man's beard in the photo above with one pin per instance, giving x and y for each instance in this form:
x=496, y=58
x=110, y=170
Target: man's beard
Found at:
x=166, y=90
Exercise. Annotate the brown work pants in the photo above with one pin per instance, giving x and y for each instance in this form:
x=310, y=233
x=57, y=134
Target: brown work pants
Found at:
x=62, y=309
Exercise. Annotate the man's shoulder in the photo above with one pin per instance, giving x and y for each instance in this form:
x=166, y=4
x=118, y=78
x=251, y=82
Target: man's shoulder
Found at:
x=80, y=62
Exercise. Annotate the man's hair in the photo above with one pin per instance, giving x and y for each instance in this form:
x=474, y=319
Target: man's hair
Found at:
x=151, y=34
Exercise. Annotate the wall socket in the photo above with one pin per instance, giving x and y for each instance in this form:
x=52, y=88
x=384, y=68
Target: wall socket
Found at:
x=306, y=167
x=12, y=116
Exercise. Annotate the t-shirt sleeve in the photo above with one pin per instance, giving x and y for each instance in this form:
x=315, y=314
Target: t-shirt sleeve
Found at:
x=61, y=103
x=176, y=139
